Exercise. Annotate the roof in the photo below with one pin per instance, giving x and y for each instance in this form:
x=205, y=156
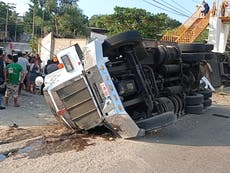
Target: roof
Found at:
x=98, y=30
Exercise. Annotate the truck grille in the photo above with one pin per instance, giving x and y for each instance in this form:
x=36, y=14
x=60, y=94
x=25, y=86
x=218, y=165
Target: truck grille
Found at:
x=79, y=104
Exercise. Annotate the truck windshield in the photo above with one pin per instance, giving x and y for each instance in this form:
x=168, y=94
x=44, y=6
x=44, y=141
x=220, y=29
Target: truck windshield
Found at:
x=67, y=63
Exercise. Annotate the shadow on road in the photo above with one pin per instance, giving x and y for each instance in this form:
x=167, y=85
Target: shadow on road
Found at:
x=212, y=128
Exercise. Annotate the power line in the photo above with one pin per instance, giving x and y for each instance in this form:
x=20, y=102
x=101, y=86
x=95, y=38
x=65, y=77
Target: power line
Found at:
x=182, y=7
x=169, y=8
x=173, y=12
x=196, y=2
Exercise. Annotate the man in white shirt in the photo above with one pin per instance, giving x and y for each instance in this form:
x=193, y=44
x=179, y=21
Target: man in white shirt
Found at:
x=25, y=64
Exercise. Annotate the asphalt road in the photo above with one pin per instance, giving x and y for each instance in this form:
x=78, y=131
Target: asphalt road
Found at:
x=212, y=128
x=195, y=144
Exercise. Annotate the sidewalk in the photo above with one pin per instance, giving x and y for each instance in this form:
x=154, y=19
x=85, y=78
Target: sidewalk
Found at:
x=33, y=111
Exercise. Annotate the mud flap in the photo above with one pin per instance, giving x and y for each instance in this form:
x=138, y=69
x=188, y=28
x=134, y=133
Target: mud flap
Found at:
x=158, y=121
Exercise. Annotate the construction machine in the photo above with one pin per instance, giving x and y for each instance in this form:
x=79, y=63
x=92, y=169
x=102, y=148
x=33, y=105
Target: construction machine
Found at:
x=216, y=66
x=132, y=85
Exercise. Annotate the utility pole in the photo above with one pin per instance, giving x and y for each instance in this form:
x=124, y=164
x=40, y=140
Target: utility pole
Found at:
x=7, y=14
x=33, y=24
x=15, y=31
x=42, y=27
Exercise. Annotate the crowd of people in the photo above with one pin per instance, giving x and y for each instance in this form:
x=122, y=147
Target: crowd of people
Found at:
x=18, y=72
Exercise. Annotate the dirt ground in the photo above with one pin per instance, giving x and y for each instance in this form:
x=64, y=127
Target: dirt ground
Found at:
x=37, y=143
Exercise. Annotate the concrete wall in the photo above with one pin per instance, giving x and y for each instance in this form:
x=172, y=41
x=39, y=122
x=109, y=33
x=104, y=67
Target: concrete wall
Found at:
x=62, y=43
x=50, y=46
x=45, y=48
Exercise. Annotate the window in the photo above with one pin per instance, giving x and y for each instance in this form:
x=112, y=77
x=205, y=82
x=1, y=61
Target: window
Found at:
x=67, y=63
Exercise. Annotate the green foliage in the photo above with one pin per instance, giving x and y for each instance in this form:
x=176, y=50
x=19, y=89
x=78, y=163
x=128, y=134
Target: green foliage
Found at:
x=63, y=17
x=203, y=37
x=228, y=44
x=72, y=22
x=13, y=25
x=34, y=44
x=123, y=19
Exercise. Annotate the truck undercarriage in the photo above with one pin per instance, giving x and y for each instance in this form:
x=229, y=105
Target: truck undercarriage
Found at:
x=130, y=85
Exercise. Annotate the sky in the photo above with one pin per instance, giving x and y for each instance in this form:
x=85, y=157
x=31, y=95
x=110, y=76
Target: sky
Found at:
x=92, y=7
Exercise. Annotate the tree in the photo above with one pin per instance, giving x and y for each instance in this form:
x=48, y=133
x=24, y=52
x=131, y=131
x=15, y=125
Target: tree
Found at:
x=123, y=19
x=63, y=17
x=7, y=12
x=71, y=22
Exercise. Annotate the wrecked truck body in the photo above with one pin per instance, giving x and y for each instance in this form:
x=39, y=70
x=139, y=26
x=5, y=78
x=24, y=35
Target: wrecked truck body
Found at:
x=126, y=83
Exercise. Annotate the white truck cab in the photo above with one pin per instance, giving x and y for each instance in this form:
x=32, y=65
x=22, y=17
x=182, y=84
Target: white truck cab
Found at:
x=71, y=99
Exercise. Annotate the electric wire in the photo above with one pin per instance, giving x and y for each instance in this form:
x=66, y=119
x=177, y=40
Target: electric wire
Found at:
x=180, y=10
x=170, y=8
x=182, y=7
x=164, y=9
x=196, y=2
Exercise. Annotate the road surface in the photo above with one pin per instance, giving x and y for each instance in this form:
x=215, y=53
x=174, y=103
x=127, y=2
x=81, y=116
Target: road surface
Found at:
x=196, y=143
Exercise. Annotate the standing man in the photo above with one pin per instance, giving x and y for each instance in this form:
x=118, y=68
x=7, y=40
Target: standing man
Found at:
x=2, y=77
x=206, y=8
x=14, y=76
x=25, y=64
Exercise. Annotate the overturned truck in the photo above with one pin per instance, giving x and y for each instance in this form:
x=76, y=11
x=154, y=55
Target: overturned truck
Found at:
x=128, y=84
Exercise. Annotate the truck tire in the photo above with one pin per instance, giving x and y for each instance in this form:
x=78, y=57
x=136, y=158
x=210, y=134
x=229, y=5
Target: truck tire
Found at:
x=209, y=55
x=123, y=39
x=195, y=109
x=192, y=48
x=209, y=47
x=158, y=121
x=192, y=57
x=207, y=103
x=196, y=99
x=206, y=93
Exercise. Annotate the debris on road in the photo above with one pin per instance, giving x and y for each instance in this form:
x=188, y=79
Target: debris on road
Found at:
x=37, y=141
